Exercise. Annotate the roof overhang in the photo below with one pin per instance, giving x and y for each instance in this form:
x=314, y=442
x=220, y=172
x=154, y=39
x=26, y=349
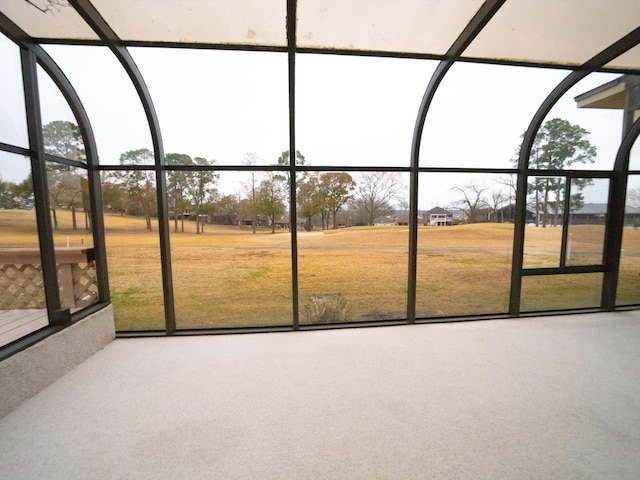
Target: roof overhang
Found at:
x=611, y=95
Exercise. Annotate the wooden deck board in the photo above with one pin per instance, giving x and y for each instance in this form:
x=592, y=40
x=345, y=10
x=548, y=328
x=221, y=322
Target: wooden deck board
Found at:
x=15, y=324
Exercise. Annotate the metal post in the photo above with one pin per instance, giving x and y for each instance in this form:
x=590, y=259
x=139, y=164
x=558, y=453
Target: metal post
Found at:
x=566, y=212
x=293, y=211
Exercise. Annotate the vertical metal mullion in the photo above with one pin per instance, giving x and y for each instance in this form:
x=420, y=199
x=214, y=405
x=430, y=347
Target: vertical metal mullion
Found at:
x=97, y=227
x=522, y=183
x=40, y=188
x=293, y=211
x=566, y=212
x=165, y=247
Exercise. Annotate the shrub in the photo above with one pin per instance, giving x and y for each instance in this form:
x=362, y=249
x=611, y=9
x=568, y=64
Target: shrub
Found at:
x=326, y=309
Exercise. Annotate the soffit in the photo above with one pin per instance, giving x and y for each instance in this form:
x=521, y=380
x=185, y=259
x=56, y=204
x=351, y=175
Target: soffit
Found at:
x=564, y=32
x=47, y=19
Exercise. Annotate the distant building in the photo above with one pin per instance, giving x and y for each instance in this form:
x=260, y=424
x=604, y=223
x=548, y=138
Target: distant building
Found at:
x=438, y=217
x=596, y=214
x=590, y=213
x=247, y=220
x=284, y=222
x=403, y=220
x=384, y=221
x=507, y=214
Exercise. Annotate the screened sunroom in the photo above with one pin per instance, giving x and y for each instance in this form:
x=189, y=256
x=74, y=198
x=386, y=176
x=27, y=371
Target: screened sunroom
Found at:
x=145, y=162
x=174, y=168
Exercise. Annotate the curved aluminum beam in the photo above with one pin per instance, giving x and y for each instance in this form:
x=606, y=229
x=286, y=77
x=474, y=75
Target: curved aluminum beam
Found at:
x=91, y=150
x=625, y=43
x=471, y=31
x=93, y=18
x=21, y=38
x=615, y=217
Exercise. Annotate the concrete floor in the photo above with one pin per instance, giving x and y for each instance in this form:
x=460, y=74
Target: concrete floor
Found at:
x=543, y=398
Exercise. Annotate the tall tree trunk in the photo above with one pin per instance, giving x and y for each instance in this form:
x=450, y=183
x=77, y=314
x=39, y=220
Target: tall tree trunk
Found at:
x=537, y=209
x=147, y=214
x=545, y=207
x=55, y=217
x=73, y=218
x=556, y=212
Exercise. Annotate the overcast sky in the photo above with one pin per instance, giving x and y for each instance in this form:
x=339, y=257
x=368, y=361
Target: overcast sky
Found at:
x=350, y=111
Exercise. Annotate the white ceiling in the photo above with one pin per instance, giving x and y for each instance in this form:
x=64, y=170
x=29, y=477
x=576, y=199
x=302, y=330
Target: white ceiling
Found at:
x=564, y=32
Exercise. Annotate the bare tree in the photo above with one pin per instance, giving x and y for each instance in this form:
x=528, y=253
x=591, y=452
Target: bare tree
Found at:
x=633, y=197
x=509, y=182
x=377, y=194
x=497, y=198
x=472, y=202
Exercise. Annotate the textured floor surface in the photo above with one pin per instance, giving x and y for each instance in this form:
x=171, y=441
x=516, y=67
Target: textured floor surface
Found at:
x=544, y=398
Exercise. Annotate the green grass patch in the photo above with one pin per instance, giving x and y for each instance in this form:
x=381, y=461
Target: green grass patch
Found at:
x=254, y=275
x=466, y=261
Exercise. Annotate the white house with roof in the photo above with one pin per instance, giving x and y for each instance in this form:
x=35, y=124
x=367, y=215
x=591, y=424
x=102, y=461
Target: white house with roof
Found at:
x=438, y=217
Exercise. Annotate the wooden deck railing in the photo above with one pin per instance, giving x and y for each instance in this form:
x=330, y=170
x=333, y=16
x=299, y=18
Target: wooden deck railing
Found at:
x=21, y=284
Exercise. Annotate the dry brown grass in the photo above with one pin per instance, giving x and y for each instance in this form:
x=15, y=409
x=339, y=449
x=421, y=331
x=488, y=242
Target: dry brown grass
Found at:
x=228, y=276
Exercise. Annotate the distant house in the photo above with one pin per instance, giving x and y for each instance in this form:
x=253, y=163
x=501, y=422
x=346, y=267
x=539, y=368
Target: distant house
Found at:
x=384, y=221
x=285, y=222
x=632, y=216
x=458, y=215
x=596, y=214
x=247, y=220
x=590, y=213
x=403, y=220
x=507, y=214
x=438, y=217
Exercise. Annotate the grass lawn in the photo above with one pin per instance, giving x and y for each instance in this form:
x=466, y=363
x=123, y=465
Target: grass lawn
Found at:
x=229, y=276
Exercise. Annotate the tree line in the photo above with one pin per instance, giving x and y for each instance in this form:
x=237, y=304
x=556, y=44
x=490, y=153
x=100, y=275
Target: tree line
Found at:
x=194, y=190
x=324, y=200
